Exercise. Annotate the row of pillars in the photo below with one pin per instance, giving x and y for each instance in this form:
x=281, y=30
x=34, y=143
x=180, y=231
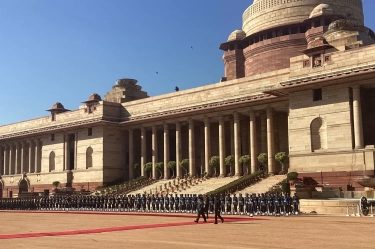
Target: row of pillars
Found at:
x=207, y=146
x=20, y=157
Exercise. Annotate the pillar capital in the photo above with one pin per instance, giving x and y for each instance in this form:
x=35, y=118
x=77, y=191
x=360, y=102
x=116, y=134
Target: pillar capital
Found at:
x=236, y=115
x=191, y=121
x=206, y=119
x=131, y=130
x=356, y=87
x=166, y=126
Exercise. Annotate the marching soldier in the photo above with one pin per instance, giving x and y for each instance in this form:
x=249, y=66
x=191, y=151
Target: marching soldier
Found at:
x=217, y=208
x=247, y=204
x=200, y=208
x=211, y=204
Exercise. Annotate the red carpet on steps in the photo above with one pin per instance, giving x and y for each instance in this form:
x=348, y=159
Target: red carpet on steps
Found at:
x=116, y=229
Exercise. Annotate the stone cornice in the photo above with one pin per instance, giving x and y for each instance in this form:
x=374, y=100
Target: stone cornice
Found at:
x=203, y=106
x=61, y=126
x=328, y=75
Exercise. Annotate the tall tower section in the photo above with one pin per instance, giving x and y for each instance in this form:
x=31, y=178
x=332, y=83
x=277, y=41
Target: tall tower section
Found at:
x=273, y=31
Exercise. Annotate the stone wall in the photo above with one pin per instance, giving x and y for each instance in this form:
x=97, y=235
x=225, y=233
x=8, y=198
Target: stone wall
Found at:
x=273, y=54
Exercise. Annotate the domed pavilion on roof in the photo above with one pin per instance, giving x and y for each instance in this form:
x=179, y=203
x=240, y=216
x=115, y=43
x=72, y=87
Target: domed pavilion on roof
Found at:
x=299, y=78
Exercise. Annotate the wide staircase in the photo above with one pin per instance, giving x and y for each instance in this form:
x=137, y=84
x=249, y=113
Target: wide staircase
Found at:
x=206, y=186
x=264, y=185
x=152, y=188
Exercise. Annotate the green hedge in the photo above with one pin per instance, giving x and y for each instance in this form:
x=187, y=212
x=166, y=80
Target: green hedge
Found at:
x=237, y=184
x=125, y=185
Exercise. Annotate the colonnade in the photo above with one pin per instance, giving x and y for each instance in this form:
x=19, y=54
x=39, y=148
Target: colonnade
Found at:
x=19, y=157
x=235, y=145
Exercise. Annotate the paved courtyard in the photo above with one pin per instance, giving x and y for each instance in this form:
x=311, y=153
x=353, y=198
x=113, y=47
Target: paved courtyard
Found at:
x=106, y=230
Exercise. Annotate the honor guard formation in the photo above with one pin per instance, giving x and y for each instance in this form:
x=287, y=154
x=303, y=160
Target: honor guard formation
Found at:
x=251, y=205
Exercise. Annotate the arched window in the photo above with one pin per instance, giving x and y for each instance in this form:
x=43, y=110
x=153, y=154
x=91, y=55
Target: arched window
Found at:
x=89, y=152
x=318, y=133
x=52, y=161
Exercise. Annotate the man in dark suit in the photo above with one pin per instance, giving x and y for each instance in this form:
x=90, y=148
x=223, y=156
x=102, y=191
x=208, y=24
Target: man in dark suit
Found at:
x=217, y=207
x=200, y=209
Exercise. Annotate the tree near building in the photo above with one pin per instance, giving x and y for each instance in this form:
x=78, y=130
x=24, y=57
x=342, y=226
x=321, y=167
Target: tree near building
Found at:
x=282, y=158
x=147, y=167
x=263, y=159
x=159, y=167
x=184, y=164
x=215, y=163
x=229, y=161
x=245, y=160
x=172, y=166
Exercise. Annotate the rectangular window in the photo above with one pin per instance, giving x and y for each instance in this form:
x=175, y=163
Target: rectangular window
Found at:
x=52, y=137
x=89, y=132
x=317, y=94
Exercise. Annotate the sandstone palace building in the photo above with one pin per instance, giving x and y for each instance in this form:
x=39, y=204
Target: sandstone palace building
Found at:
x=299, y=78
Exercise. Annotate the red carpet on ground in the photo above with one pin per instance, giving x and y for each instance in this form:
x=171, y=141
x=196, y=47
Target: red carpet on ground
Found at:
x=116, y=229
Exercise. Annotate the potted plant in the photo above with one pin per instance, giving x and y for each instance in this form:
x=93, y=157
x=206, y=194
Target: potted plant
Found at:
x=229, y=161
x=184, y=164
x=56, y=184
x=159, y=167
x=292, y=177
x=263, y=159
x=282, y=158
x=214, y=163
x=148, y=167
x=172, y=166
x=245, y=161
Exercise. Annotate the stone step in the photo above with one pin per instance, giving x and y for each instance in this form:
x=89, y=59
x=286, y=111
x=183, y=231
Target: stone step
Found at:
x=208, y=185
x=264, y=185
x=152, y=187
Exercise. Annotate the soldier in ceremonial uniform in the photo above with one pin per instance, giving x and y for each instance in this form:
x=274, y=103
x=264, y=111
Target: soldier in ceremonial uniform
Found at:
x=241, y=203
x=235, y=204
x=182, y=203
x=166, y=204
x=228, y=203
x=217, y=209
x=295, y=204
x=222, y=203
x=247, y=204
x=161, y=203
x=176, y=203
x=287, y=201
x=148, y=203
x=211, y=204
x=171, y=203
x=143, y=202
x=153, y=203
x=200, y=209
x=194, y=201
x=157, y=203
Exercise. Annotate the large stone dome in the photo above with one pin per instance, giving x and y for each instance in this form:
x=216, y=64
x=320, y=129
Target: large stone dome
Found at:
x=266, y=14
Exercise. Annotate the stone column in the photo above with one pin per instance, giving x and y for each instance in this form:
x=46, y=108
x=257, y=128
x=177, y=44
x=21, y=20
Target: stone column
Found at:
x=67, y=152
x=11, y=159
x=17, y=160
x=131, y=154
x=207, y=145
x=2, y=158
x=253, y=142
x=191, y=148
x=270, y=142
x=231, y=137
x=6, y=160
x=222, y=146
x=166, y=151
x=154, y=151
x=23, y=150
x=357, y=116
x=76, y=151
x=237, y=145
x=36, y=165
x=143, y=150
x=178, y=149
x=263, y=133
x=30, y=157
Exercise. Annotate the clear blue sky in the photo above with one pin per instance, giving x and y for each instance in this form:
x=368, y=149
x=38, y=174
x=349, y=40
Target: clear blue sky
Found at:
x=65, y=50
